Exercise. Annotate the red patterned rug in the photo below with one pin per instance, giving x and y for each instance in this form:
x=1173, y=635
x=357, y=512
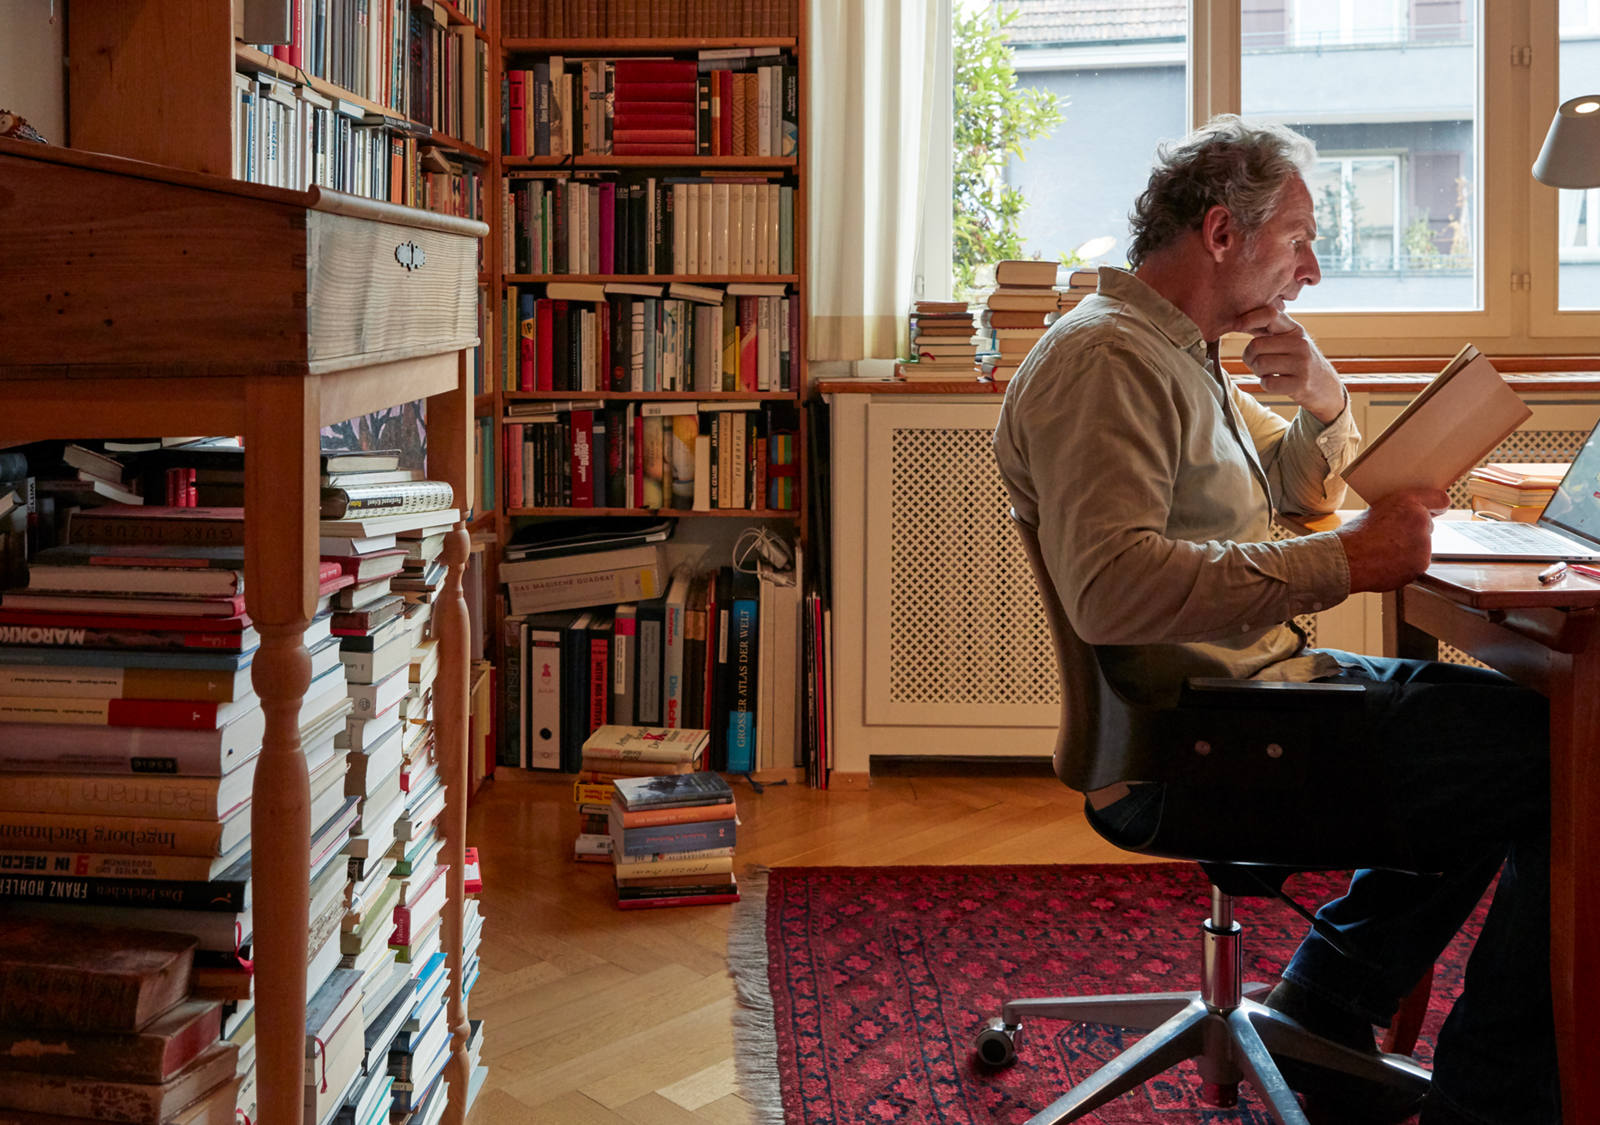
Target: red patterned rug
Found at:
x=862, y=988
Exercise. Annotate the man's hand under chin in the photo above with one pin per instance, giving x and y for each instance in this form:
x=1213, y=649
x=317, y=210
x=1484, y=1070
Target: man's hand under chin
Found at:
x=1287, y=361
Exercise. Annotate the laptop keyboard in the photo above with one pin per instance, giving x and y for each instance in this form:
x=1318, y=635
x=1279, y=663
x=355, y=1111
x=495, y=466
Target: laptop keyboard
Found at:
x=1516, y=538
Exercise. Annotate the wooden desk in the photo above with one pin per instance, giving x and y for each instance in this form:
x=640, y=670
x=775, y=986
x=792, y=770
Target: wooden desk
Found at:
x=1544, y=637
x=147, y=300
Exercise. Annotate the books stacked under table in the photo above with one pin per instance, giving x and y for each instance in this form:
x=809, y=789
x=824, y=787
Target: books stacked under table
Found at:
x=386, y=530
x=98, y=1024
x=129, y=736
x=672, y=840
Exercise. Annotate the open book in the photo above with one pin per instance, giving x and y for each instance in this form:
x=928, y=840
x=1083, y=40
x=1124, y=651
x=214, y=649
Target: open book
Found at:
x=1453, y=424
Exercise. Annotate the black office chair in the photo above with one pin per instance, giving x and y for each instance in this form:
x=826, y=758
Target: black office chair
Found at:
x=1238, y=758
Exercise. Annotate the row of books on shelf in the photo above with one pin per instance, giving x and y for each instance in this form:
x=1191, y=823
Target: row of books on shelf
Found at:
x=626, y=336
x=129, y=736
x=686, y=455
x=668, y=826
x=640, y=18
x=728, y=102
x=601, y=224
x=290, y=135
x=715, y=649
x=404, y=55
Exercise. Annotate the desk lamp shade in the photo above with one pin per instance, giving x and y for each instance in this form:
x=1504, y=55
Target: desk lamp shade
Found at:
x=1570, y=157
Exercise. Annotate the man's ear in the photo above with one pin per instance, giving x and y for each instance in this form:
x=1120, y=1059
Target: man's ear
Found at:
x=1218, y=232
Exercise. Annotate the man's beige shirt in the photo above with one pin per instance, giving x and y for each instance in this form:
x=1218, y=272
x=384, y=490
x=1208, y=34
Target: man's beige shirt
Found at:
x=1153, y=482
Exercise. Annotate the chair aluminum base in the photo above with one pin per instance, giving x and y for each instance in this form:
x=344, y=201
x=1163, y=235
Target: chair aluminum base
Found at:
x=1231, y=1035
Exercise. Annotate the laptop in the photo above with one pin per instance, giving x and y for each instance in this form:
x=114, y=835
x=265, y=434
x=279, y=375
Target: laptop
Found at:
x=1568, y=529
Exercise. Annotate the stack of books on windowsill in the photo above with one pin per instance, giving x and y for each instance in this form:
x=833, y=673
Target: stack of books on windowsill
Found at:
x=1014, y=315
x=1502, y=490
x=942, y=347
x=672, y=839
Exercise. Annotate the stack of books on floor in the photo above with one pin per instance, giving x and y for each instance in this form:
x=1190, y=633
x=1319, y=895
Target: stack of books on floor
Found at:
x=98, y=1024
x=672, y=839
x=1014, y=315
x=1506, y=491
x=614, y=752
x=942, y=343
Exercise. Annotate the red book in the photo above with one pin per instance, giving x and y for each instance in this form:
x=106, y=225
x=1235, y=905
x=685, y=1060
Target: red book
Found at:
x=749, y=312
x=630, y=71
x=599, y=683
x=178, y=609
x=680, y=92
x=544, y=312
x=517, y=109
x=513, y=447
x=652, y=148
x=725, y=125
x=638, y=461
x=583, y=458
x=631, y=119
x=163, y=714
x=673, y=108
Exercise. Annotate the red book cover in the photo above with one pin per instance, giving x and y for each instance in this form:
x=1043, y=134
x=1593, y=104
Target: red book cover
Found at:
x=517, y=110
x=513, y=437
x=650, y=131
x=630, y=71
x=676, y=107
x=682, y=900
x=545, y=312
x=527, y=352
x=168, y=714
x=629, y=95
x=631, y=119
x=748, y=338
x=725, y=125
x=599, y=683
x=652, y=148
x=583, y=458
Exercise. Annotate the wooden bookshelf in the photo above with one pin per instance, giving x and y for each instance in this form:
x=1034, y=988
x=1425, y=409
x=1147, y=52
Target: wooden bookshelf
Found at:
x=216, y=341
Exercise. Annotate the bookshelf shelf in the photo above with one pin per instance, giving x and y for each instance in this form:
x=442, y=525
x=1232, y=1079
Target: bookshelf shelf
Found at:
x=639, y=45
x=530, y=163
x=651, y=396
x=651, y=278
x=714, y=513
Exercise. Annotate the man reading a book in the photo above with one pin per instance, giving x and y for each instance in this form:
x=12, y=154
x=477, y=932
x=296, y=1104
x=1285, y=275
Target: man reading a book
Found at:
x=1153, y=482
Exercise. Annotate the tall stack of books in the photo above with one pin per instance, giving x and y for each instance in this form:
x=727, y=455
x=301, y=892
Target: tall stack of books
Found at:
x=1080, y=284
x=942, y=343
x=1501, y=490
x=98, y=1024
x=1014, y=314
x=672, y=840
x=129, y=736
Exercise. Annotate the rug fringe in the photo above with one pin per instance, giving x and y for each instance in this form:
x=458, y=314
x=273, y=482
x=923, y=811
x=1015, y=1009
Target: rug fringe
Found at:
x=755, y=1036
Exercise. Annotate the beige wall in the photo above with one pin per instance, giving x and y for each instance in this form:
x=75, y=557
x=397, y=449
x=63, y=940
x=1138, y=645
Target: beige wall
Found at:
x=31, y=79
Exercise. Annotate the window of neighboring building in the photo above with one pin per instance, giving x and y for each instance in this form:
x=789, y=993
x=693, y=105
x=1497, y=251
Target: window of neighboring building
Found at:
x=1578, y=212
x=1357, y=200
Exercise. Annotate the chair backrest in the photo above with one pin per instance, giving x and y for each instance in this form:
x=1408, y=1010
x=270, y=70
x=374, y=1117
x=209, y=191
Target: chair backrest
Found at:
x=1102, y=738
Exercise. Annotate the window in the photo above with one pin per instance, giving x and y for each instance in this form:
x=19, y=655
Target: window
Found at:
x=1578, y=212
x=1415, y=107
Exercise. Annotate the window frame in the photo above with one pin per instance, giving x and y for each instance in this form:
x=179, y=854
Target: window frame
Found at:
x=1518, y=224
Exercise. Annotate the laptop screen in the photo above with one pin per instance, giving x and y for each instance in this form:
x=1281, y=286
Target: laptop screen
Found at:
x=1575, y=507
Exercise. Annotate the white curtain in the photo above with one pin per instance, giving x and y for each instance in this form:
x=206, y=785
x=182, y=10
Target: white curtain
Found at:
x=878, y=104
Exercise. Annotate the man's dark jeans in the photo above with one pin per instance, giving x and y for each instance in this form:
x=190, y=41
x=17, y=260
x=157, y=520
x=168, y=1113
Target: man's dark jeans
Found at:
x=1466, y=787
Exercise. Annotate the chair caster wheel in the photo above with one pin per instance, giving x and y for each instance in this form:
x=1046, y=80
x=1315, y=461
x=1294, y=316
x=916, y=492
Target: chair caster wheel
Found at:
x=997, y=1042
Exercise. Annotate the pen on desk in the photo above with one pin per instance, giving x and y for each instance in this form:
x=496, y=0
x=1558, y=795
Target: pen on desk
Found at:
x=1555, y=572
x=1589, y=571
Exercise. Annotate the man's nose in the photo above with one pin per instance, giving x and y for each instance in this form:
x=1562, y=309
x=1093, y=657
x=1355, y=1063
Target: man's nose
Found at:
x=1310, y=272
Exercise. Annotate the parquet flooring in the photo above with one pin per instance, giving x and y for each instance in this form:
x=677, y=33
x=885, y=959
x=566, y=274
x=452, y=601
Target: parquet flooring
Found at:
x=596, y=1016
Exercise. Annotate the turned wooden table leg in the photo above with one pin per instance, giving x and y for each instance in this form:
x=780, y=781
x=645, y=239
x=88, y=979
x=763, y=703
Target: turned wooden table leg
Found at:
x=450, y=713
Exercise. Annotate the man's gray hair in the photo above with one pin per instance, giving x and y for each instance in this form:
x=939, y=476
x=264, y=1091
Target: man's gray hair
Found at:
x=1225, y=162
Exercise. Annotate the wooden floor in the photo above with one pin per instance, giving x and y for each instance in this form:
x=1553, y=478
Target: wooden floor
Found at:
x=597, y=1015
